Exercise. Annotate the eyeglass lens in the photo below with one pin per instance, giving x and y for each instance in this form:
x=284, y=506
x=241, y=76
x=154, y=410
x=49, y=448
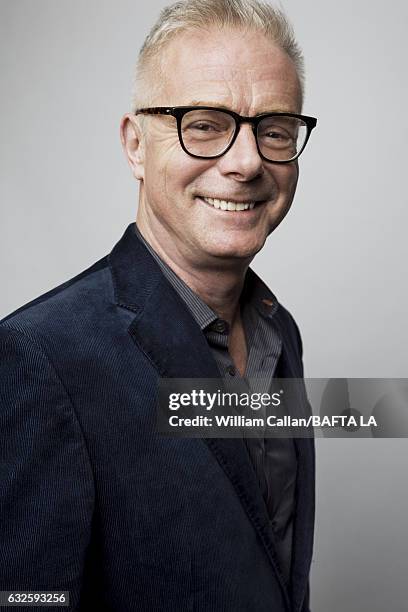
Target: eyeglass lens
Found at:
x=207, y=133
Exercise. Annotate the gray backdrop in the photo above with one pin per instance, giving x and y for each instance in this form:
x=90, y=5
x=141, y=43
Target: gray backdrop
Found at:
x=337, y=261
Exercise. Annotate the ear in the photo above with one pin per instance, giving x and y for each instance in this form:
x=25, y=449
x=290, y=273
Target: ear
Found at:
x=132, y=138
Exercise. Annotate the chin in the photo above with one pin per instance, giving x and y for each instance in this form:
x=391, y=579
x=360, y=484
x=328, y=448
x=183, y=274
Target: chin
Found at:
x=234, y=249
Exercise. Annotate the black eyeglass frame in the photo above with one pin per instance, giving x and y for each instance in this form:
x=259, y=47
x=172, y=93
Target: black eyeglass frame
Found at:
x=179, y=111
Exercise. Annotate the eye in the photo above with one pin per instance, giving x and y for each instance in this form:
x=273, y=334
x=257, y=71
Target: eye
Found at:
x=204, y=126
x=277, y=134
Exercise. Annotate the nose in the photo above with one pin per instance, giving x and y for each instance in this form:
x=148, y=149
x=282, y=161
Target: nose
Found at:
x=243, y=159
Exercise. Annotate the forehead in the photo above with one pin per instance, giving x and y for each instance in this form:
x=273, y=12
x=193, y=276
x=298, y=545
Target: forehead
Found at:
x=240, y=70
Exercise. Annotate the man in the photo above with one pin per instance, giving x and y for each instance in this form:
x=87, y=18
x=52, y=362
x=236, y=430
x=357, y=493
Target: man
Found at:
x=94, y=500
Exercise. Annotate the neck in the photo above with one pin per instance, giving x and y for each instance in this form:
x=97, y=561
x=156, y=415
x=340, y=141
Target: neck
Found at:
x=216, y=281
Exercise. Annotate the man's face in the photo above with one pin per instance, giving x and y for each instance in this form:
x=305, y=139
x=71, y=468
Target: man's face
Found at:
x=248, y=74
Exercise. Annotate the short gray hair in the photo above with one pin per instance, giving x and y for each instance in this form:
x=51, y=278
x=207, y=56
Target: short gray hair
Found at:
x=201, y=14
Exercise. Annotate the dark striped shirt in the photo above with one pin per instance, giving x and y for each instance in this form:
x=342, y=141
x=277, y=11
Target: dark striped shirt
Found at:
x=274, y=459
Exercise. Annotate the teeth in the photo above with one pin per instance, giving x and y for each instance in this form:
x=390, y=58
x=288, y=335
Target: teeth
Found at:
x=227, y=205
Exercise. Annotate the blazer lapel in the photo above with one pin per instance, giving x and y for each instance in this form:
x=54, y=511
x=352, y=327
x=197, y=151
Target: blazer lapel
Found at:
x=166, y=332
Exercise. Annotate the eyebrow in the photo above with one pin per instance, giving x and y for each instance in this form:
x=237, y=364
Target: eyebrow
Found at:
x=223, y=107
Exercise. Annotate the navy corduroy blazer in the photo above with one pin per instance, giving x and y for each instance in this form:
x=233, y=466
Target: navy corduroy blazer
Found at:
x=92, y=499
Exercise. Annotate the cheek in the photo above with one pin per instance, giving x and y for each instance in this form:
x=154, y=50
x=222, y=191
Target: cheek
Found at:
x=159, y=170
x=286, y=178
x=176, y=176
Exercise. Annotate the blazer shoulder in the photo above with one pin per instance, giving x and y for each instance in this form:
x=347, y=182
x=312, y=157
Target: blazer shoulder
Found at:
x=64, y=302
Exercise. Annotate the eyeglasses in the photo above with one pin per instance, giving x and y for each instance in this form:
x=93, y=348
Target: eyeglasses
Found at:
x=206, y=132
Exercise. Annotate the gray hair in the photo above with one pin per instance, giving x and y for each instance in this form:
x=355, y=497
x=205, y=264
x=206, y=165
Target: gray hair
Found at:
x=201, y=14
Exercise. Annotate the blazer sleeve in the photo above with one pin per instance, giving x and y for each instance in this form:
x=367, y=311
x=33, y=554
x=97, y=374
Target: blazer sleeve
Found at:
x=46, y=482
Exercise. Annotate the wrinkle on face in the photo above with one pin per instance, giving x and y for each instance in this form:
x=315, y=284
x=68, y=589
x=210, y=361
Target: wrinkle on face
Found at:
x=232, y=75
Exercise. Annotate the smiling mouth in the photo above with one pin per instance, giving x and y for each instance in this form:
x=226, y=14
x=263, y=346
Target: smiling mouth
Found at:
x=229, y=205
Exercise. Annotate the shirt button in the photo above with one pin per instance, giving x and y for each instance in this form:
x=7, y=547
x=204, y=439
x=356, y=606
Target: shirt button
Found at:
x=220, y=326
x=231, y=370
